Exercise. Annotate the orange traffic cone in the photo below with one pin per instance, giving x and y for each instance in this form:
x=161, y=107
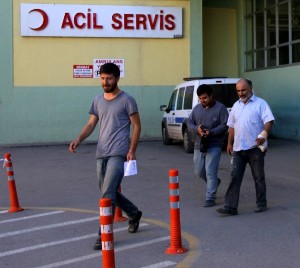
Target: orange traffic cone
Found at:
x=118, y=213
x=13, y=196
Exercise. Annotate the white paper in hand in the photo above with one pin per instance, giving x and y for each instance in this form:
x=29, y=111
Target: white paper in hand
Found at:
x=130, y=168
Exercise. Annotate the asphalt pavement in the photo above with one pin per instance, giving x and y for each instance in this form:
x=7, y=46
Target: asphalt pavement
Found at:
x=58, y=226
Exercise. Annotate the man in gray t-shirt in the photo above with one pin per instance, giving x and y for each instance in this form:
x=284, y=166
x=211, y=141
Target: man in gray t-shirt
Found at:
x=114, y=111
x=114, y=124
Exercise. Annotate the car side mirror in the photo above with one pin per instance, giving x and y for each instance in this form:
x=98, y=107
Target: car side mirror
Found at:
x=163, y=108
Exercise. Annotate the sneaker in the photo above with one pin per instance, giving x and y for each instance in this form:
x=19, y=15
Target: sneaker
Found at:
x=98, y=244
x=133, y=225
x=209, y=203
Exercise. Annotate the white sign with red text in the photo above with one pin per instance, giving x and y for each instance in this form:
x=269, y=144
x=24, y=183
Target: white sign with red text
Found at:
x=101, y=21
x=82, y=71
x=99, y=62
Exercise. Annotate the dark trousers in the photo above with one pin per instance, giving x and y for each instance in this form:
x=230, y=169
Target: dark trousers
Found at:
x=255, y=158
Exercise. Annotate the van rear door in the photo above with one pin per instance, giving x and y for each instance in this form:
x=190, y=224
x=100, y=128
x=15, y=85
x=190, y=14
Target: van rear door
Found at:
x=224, y=90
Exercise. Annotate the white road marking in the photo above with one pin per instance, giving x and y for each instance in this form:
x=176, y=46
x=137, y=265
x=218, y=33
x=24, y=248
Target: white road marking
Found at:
x=160, y=265
x=33, y=216
x=47, y=227
x=97, y=255
x=54, y=243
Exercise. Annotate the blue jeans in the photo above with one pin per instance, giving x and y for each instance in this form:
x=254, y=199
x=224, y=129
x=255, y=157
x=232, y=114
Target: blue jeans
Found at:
x=255, y=158
x=110, y=172
x=206, y=167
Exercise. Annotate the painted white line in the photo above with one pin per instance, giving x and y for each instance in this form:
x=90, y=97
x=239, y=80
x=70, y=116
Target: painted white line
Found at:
x=55, y=243
x=48, y=227
x=32, y=216
x=160, y=265
x=3, y=211
x=97, y=255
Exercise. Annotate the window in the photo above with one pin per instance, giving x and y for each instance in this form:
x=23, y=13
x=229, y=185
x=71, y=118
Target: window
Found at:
x=172, y=102
x=219, y=93
x=188, y=99
x=225, y=93
x=272, y=33
x=180, y=98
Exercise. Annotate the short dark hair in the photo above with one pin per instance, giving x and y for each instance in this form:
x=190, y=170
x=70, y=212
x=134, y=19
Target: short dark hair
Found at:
x=204, y=89
x=110, y=68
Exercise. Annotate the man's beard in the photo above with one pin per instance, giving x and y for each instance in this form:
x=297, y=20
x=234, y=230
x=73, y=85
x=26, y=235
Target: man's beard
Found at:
x=109, y=89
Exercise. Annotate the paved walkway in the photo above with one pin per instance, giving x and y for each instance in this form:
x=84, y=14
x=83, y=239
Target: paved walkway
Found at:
x=59, y=194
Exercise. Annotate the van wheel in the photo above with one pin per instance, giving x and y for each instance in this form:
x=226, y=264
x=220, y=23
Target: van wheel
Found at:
x=165, y=136
x=188, y=145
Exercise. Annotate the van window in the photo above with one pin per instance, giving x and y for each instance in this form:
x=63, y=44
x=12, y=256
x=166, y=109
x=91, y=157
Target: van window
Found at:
x=188, y=98
x=219, y=93
x=180, y=98
x=225, y=93
x=172, y=102
x=232, y=94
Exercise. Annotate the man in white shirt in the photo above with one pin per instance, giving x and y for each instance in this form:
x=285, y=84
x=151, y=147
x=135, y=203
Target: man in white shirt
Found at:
x=250, y=121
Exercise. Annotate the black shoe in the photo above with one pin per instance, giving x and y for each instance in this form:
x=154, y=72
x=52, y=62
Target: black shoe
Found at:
x=209, y=203
x=227, y=211
x=98, y=244
x=133, y=225
x=260, y=209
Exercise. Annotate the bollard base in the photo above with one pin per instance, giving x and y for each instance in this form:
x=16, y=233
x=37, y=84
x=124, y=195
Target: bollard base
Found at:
x=172, y=250
x=15, y=209
x=119, y=219
x=118, y=215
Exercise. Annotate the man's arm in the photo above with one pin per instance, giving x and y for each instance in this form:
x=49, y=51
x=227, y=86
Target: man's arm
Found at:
x=85, y=132
x=230, y=140
x=264, y=134
x=136, y=131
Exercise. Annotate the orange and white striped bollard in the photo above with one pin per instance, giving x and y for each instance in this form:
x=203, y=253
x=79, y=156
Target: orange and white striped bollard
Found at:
x=175, y=229
x=107, y=235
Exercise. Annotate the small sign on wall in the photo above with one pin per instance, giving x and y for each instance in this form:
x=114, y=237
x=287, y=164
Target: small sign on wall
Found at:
x=99, y=62
x=82, y=71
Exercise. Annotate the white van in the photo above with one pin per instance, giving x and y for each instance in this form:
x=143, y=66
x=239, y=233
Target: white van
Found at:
x=183, y=100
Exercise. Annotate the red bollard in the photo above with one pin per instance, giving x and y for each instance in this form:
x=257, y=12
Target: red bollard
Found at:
x=13, y=196
x=175, y=229
x=107, y=235
x=118, y=213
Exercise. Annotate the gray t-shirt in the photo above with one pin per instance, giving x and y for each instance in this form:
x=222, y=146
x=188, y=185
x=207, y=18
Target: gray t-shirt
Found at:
x=114, y=124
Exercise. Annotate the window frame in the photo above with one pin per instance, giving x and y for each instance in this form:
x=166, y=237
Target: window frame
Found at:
x=268, y=30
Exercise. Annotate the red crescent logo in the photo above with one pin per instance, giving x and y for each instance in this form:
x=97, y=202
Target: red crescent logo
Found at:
x=45, y=19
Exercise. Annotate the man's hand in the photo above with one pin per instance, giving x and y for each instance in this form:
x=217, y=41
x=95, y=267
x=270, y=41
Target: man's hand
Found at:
x=202, y=132
x=130, y=156
x=73, y=145
x=260, y=140
x=229, y=148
